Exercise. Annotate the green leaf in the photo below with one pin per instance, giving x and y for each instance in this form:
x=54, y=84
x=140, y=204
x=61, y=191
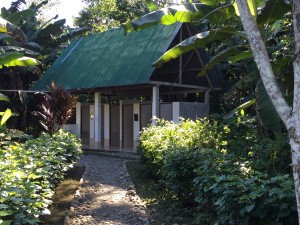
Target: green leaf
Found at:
x=3, y=23
x=9, y=56
x=212, y=3
x=3, y=206
x=151, y=5
x=169, y=15
x=272, y=11
x=266, y=111
x=15, y=18
x=242, y=112
x=5, y=222
x=5, y=213
x=48, y=34
x=248, y=78
x=18, y=49
x=5, y=117
x=197, y=41
x=33, y=46
x=16, y=32
x=3, y=97
x=281, y=63
x=240, y=108
x=241, y=56
x=223, y=55
x=249, y=208
x=4, y=36
x=23, y=61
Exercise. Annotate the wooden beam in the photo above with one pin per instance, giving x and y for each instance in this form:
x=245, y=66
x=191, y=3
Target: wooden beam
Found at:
x=200, y=60
x=189, y=59
x=178, y=85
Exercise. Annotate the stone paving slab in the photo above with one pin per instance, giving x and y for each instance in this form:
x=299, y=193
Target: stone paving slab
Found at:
x=106, y=195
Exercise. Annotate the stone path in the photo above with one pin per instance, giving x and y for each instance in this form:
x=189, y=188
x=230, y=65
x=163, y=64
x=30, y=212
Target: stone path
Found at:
x=106, y=195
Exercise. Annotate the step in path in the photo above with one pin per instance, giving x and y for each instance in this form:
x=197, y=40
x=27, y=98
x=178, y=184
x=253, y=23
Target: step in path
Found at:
x=106, y=195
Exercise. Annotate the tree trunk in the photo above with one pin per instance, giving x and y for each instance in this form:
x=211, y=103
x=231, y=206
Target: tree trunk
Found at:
x=290, y=118
x=294, y=130
x=295, y=148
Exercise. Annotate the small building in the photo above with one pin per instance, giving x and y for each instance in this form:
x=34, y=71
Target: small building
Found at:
x=129, y=93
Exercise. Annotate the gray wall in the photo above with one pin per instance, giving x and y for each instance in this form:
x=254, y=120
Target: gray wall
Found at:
x=193, y=110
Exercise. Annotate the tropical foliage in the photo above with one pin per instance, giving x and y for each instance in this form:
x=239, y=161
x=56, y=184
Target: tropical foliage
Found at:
x=56, y=108
x=100, y=16
x=29, y=173
x=27, y=48
x=7, y=113
x=261, y=33
x=221, y=33
x=226, y=177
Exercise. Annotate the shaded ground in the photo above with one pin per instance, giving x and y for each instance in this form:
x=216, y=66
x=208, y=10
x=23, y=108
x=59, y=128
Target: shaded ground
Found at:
x=63, y=197
x=162, y=206
x=106, y=195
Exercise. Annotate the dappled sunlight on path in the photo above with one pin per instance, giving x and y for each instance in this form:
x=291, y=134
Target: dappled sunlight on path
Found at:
x=106, y=195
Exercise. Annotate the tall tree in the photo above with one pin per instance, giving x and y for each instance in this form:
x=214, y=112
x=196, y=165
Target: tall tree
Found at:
x=100, y=15
x=290, y=116
x=24, y=38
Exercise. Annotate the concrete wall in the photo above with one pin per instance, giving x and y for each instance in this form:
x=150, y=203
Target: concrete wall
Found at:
x=145, y=114
x=122, y=123
x=193, y=110
x=72, y=128
x=165, y=111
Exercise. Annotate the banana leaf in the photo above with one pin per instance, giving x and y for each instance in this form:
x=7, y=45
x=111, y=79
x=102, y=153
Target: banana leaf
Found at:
x=3, y=97
x=22, y=61
x=5, y=117
x=197, y=41
x=181, y=13
x=266, y=111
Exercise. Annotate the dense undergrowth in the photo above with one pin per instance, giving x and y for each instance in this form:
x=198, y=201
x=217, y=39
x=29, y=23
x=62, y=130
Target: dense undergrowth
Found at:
x=224, y=169
x=29, y=172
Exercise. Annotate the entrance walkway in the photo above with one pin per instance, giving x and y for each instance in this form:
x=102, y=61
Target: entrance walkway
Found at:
x=106, y=195
x=109, y=148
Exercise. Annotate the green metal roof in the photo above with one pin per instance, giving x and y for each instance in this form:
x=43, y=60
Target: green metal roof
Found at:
x=109, y=59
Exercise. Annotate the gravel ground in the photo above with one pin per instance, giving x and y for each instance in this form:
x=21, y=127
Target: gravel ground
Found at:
x=106, y=195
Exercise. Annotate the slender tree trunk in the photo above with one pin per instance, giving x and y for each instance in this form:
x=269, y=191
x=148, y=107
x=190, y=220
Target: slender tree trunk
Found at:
x=291, y=118
x=295, y=129
x=295, y=148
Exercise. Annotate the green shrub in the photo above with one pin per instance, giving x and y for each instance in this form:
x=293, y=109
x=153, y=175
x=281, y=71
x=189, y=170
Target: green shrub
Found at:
x=268, y=153
x=226, y=167
x=29, y=172
x=10, y=136
x=156, y=141
x=240, y=198
x=229, y=188
x=178, y=170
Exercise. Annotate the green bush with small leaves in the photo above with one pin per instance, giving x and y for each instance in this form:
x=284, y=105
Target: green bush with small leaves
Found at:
x=240, y=196
x=224, y=168
x=157, y=141
x=29, y=173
